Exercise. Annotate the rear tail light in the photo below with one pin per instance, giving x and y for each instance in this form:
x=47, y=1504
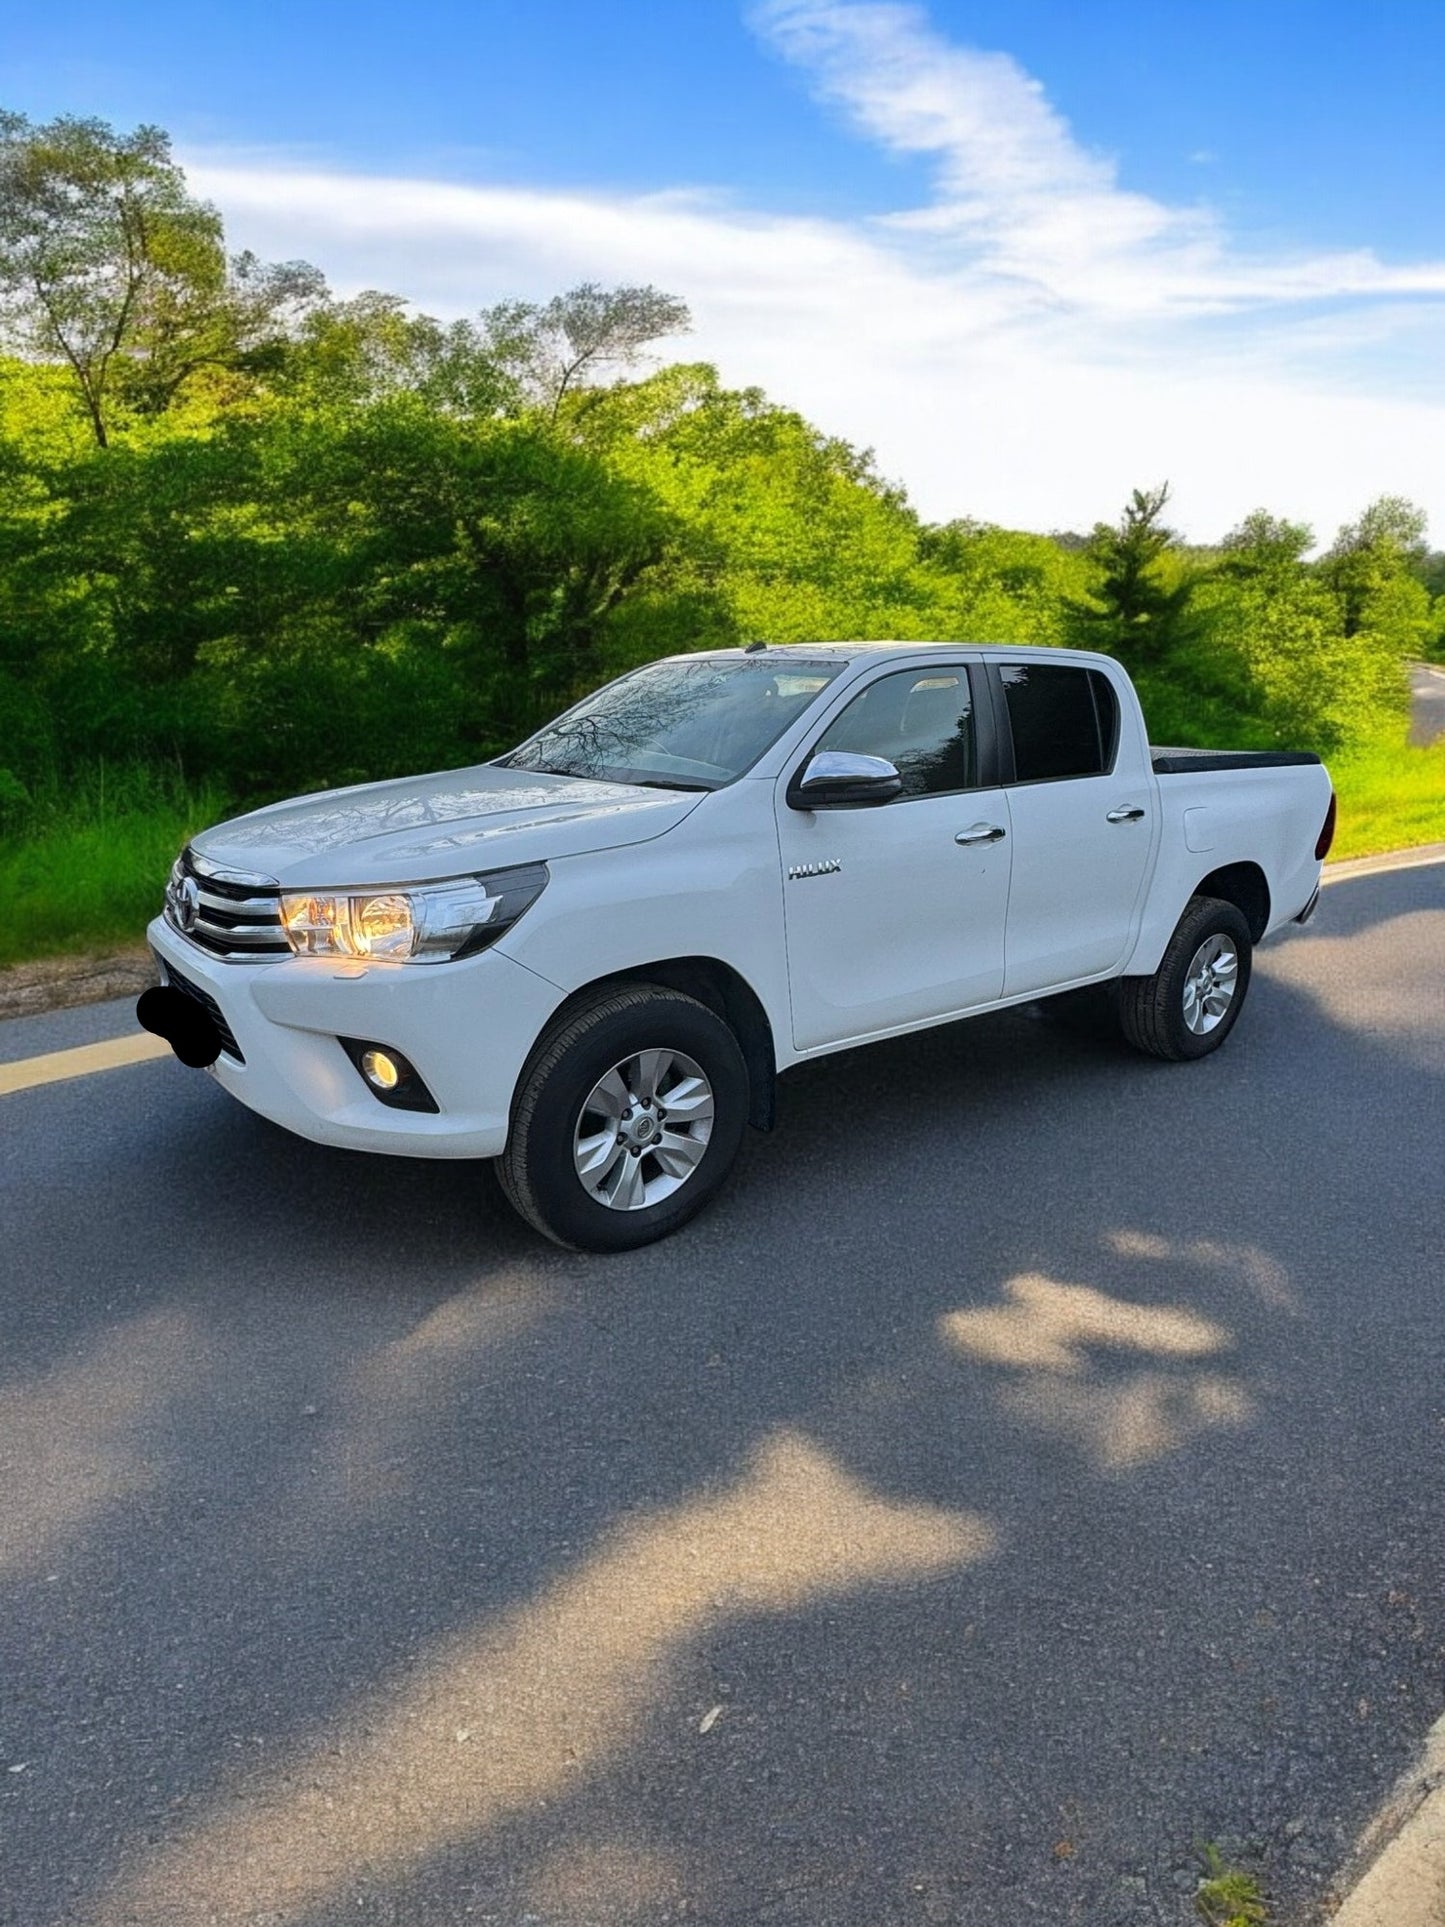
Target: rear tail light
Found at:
x=1327, y=834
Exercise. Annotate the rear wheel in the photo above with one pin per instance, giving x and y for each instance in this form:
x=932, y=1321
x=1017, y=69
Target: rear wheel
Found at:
x=1193, y=1000
x=627, y=1121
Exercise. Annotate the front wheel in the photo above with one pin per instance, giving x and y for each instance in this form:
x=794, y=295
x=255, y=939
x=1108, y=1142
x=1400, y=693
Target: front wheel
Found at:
x=1193, y=1000
x=627, y=1120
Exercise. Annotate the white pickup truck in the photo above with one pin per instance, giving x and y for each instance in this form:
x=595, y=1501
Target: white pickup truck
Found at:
x=590, y=958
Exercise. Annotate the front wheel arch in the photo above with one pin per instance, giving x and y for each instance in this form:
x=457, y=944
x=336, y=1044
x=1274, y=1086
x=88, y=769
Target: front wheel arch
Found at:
x=544, y=1169
x=723, y=990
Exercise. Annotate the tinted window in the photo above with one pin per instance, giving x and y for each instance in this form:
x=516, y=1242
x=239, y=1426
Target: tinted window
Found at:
x=1054, y=719
x=922, y=721
x=1106, y=706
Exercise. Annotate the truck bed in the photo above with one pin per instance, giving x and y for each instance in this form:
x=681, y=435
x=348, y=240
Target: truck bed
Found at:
x=1191, y=762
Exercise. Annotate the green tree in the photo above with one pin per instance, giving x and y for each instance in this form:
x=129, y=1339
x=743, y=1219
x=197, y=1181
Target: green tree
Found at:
x=1002, y=585
x=1278, y=658
x=479, y=558
x=1277, y=650
x=1139, y=608
x=1372, y=568
x=1265, y=544
x=352, y=353
x=110, y=267
x=341, y=539
x=780, y=532
x=553, y=349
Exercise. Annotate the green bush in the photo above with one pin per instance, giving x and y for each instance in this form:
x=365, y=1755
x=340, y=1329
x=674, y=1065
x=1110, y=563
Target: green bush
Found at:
x=85, y=865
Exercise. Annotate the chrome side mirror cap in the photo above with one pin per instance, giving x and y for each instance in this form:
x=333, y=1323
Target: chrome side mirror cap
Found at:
x=837, y=779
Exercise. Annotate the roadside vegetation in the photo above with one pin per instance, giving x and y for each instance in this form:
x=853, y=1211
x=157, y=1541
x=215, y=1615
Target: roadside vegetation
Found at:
x=256, y=539
x=1226, y=1895
x=86, y=872
x=1391, y=797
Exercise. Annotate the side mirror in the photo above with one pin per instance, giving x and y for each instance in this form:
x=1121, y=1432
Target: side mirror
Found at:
x=837, y=780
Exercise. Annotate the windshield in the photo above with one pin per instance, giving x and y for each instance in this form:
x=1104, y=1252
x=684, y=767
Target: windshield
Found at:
x=677, y=725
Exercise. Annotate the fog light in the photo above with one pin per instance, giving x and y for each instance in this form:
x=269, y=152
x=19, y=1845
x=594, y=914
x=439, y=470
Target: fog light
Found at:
x=379, y=1070
x=390, y=1077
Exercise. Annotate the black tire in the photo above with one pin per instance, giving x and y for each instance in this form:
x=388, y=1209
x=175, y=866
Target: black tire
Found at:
x=1151, y=1009
x=538, y=1172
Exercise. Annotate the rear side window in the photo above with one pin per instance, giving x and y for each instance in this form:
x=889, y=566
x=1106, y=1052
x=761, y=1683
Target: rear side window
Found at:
x=1064, y=720
x=1106, y=707
x=921, y=721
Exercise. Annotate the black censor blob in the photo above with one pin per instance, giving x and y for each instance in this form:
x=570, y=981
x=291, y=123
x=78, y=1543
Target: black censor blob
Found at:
x=187, y=1028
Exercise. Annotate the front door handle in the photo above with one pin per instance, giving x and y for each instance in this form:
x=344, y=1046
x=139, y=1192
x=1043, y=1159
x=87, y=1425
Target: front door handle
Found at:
x=982, y=833
x=1130, y=815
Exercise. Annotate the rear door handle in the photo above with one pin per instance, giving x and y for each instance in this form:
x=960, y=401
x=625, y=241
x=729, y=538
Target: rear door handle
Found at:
x=1131, y=815
x=982, y=833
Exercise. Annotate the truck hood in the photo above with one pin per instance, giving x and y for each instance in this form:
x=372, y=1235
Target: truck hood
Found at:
x=422, y=828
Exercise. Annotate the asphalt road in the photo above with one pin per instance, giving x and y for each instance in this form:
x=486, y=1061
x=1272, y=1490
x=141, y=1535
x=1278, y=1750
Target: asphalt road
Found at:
x=1029, y=1469
x=1427, y=703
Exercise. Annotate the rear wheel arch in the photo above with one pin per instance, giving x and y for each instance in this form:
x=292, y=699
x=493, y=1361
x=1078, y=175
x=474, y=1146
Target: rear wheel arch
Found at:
x=1173, y=1012
x=1246, y=887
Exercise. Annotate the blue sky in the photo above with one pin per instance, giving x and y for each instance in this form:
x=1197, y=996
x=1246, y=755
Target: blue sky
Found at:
x=1033, y=253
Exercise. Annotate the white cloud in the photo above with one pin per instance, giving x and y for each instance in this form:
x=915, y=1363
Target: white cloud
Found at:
x=1020, y=193
x=1027, y=347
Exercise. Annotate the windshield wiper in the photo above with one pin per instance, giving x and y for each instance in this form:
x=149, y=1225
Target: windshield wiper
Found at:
x=659, y=783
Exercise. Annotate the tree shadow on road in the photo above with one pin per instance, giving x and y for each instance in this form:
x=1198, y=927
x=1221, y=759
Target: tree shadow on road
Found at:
x=1027, y=1456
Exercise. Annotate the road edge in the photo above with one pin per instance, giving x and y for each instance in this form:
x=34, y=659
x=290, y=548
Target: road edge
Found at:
x=61, y=983
x=1397, y=1875
x=1363, y=866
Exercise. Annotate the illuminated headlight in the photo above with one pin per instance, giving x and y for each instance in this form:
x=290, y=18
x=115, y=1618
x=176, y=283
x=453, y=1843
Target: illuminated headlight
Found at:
x=430, y=924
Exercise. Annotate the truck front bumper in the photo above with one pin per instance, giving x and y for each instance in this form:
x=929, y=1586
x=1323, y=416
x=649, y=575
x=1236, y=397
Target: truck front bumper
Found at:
x=467, y=1028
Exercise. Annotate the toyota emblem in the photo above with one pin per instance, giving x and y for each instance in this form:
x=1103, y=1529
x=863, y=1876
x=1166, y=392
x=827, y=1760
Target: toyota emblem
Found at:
x=188, y=904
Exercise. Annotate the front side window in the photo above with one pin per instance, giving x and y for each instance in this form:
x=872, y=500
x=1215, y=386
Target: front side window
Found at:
x=921, y=721
x=676, y=725
x=1062, y=724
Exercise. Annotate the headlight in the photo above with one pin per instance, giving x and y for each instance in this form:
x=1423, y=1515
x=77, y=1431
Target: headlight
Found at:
x=431, y=924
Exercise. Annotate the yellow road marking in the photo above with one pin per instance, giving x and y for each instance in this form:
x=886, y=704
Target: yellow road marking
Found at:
x=57, y=1065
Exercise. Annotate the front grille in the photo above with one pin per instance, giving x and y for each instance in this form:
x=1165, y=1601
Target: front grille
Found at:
x=210, y=1006
x=225, y=912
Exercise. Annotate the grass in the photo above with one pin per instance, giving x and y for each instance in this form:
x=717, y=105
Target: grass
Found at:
x=85, y=869
x=1226, y=1897
x=1391, y=798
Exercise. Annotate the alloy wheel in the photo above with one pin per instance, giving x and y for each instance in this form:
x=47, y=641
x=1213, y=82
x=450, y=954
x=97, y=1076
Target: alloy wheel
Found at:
x=643, y=1129
x=1210, y=983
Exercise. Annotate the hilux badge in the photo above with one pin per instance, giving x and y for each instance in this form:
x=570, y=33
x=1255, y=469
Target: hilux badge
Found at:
x=827, y=868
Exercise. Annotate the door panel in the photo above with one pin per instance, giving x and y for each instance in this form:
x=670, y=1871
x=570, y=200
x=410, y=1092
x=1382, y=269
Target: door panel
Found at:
x=1076, y=879
x=1082, y=831
x=890, y=919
